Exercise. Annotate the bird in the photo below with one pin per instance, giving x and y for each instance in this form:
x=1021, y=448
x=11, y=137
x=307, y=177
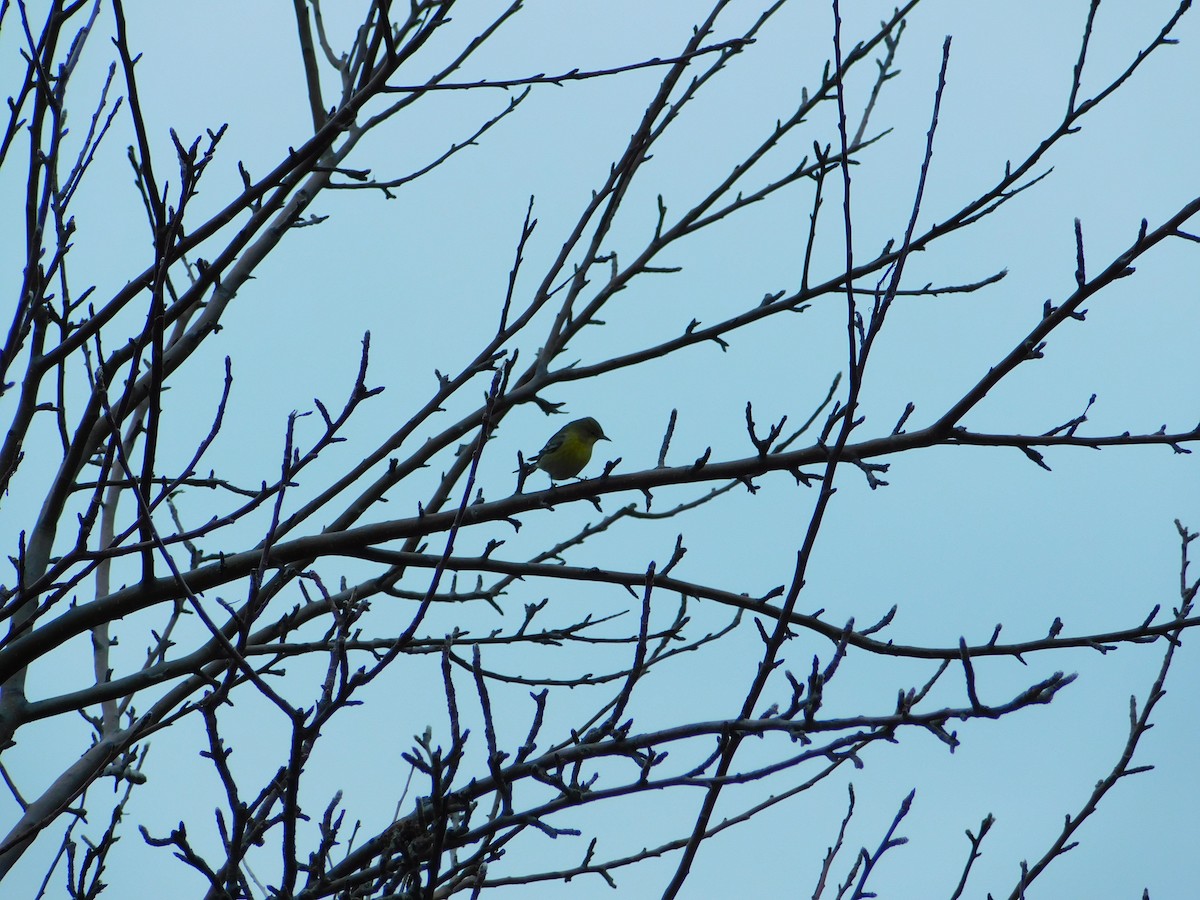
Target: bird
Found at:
x=569, y=450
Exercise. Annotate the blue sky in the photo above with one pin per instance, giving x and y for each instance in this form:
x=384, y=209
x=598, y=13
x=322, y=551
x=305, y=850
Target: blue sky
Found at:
x=960, y=539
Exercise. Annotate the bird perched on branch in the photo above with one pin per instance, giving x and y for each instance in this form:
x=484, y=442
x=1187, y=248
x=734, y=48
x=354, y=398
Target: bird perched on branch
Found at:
x=565, y=454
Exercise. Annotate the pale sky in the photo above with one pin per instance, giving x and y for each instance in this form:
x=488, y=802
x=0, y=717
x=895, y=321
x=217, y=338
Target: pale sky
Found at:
x=961, y=538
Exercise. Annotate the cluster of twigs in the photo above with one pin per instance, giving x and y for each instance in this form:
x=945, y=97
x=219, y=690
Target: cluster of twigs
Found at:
x=108, y=507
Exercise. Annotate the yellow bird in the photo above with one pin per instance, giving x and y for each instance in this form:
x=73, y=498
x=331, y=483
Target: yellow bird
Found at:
x=565, y=454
